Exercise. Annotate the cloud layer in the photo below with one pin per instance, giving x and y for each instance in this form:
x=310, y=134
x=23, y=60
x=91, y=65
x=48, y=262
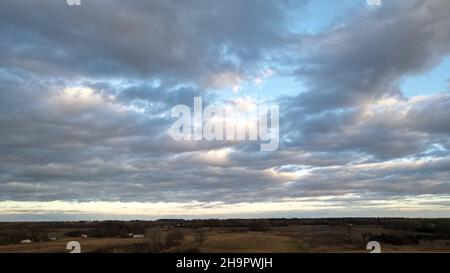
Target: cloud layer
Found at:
x=86, y=93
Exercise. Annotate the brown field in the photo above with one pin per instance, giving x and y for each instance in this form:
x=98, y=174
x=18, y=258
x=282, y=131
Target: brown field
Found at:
x=231, y=236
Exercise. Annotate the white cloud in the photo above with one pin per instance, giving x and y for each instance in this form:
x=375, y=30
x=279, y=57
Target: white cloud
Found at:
x=335, y=205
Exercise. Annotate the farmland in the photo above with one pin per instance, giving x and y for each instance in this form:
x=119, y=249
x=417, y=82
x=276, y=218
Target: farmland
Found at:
x=232, y=236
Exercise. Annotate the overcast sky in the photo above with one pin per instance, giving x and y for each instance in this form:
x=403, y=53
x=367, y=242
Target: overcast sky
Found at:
x=86, y=93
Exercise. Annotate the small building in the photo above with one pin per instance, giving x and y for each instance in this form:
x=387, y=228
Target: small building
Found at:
x=84, y=236
x=138, y=236
x=27, y=241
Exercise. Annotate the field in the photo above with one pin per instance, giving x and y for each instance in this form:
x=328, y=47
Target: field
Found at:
x=236, y=235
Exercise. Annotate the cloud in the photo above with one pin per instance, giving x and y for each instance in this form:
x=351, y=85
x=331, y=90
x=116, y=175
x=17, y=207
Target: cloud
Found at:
x=364, y=59
x=355, y=67
x=191, y=41
x=86, y=96
x=387, y=128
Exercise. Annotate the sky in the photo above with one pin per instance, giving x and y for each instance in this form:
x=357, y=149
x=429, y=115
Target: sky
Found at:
x=86, y=94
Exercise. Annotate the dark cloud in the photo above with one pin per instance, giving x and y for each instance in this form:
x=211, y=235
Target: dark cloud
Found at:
x=432, y=115
x=178, y=40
